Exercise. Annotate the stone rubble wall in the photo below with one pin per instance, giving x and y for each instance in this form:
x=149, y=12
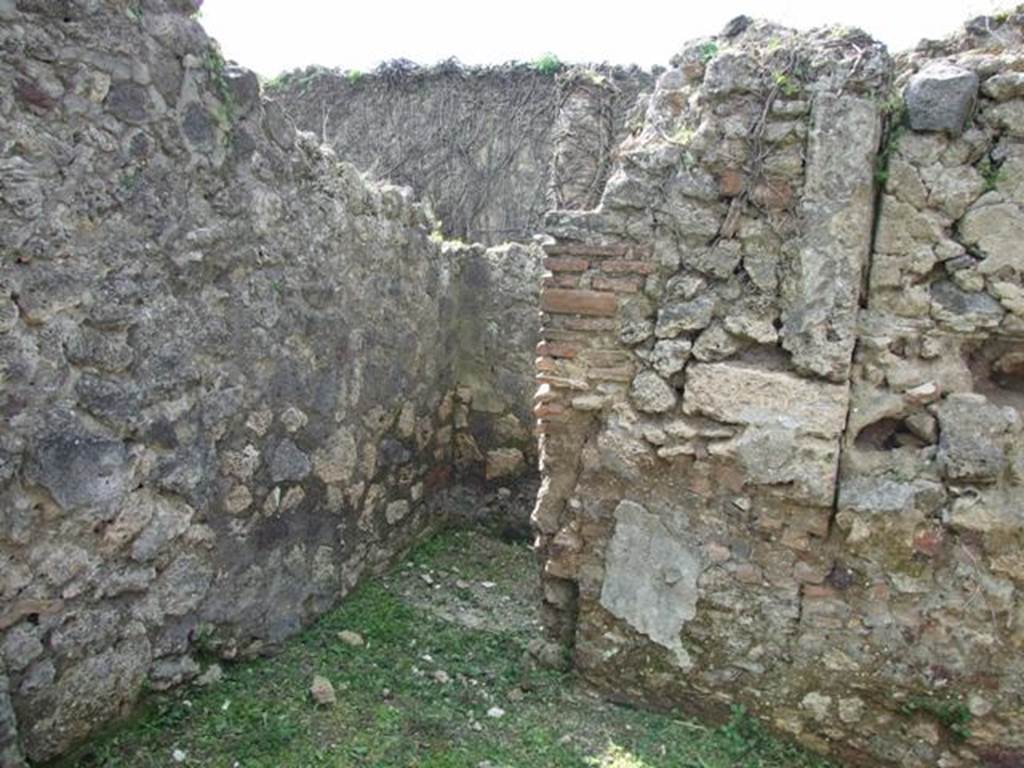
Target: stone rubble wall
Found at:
x=781, y=396
x=589, y=124
x=228, y=366
x=497, y=335
x=477, y=142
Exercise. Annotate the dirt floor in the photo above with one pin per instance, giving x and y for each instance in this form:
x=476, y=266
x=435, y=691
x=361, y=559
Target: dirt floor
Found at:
x=425, y=667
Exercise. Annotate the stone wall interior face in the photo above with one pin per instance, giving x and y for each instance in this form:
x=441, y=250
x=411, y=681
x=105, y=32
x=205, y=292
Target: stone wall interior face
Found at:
x=780, y=368
x=496, y=341
x=781, y=396
x=228, y=366
x=480, y=143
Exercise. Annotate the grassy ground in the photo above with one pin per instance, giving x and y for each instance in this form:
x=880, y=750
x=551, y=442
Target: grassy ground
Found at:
x=445, y=637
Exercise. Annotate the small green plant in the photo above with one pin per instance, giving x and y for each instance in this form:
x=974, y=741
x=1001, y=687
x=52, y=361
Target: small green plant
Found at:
x=354, y=76
x=992, y=172
x=683, y=136
x=215, y=67
x=896, y=119
x=708, y=51
x=952, y=714
x=747, y=742
x=548, y=64
x=788, y=85
x=203, y=643
x=277, y=81
x=892, y=105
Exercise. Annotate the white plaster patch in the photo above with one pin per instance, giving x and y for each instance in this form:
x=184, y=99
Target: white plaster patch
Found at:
x=650, y=578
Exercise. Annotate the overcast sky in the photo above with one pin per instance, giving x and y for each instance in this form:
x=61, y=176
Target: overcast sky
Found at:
x=270, y=37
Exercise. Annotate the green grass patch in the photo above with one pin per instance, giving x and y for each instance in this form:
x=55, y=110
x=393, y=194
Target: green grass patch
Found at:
x=548, y=64
x=395, y=708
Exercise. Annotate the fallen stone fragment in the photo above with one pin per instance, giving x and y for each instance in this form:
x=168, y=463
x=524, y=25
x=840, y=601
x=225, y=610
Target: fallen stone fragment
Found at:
x=323, y=692
x=349, y=637
x=213, y=674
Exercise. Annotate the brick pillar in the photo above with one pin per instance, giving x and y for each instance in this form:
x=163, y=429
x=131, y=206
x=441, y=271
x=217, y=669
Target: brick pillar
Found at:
x=580, y=362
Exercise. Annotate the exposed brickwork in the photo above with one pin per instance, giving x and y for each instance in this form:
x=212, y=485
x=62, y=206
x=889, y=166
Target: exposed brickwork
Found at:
x=577, y=302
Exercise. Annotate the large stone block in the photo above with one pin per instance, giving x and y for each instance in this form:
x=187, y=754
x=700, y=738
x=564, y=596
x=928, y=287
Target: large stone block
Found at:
x=821, y=289
x=80, y=469
x=651, y=393
x=738, y=394
x=997, y=231
x=940, y=98
x=973, y=437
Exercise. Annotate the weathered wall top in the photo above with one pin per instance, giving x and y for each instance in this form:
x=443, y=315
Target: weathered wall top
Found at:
x=476, y=141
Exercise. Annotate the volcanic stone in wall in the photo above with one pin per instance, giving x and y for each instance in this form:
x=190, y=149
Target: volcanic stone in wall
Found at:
x=227, y=366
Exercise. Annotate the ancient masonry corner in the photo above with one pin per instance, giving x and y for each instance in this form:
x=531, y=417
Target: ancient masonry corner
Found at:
x=777, y=387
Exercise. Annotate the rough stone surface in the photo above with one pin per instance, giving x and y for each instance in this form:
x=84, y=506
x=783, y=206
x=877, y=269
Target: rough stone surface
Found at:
x=940, y=98
x=504, y=463
x=781, y=468
x=822, y=284
x=736, y=394
x=497, y=335
x=838, y=482
x=651, y=394
x=322, y=691
x=10, y=752
x=228, y=366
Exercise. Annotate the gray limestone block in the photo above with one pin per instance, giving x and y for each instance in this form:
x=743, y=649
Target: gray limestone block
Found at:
x=973, y=435
x=289, y=463
x=940, y=98
x=651, y=393
x=80, y=469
